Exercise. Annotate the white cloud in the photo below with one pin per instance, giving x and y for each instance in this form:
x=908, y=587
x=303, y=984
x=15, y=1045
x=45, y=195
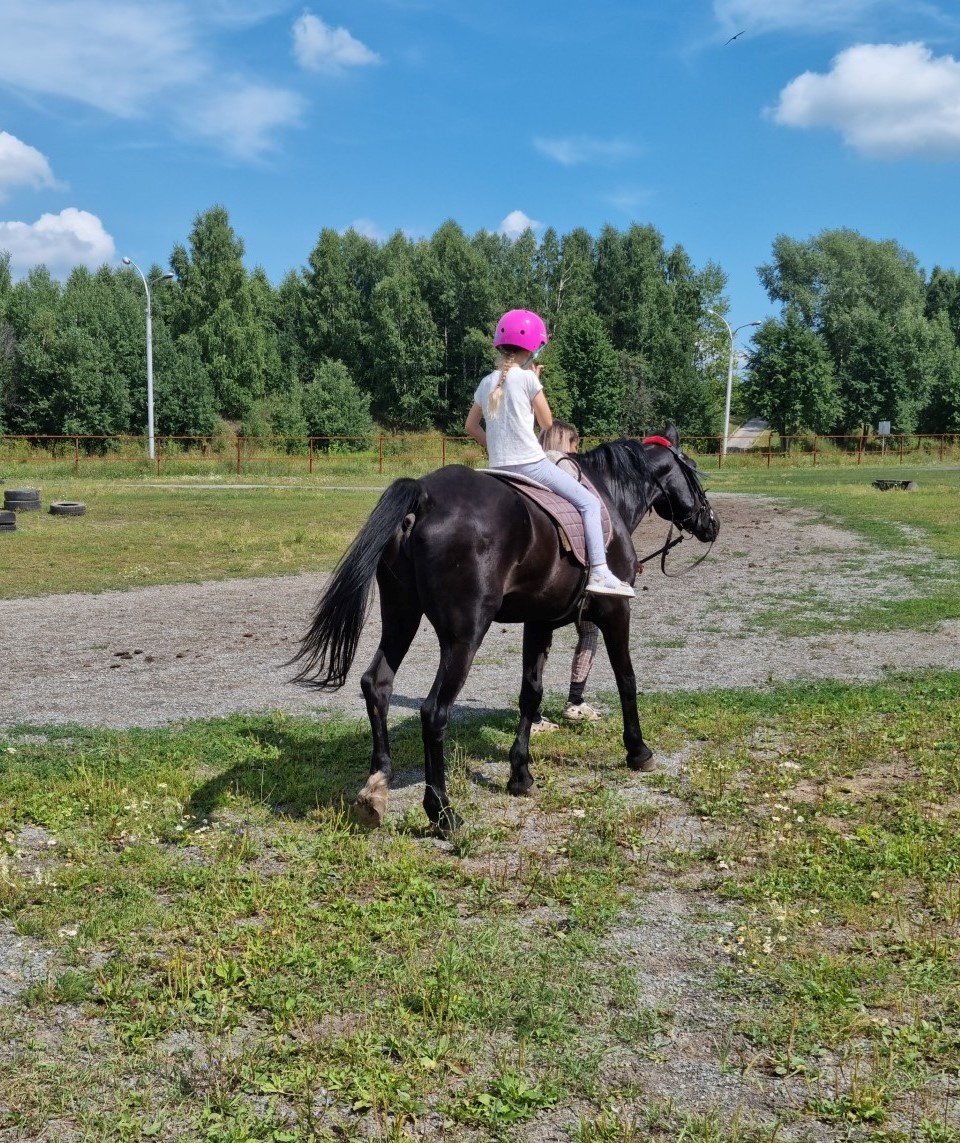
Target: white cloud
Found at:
x=111, y=54
x=516, y=223
x=132, y=60
x=886, y=101
x=756, y=16
x=59, y=241
x=22, y=165
x=245, y=120
x=583, y=149
x=318, y=47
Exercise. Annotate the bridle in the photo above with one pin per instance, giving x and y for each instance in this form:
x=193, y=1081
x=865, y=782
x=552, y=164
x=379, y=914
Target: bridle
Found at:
x=693, y=482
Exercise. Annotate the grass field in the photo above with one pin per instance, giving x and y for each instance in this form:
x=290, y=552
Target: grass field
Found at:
x=195, y=943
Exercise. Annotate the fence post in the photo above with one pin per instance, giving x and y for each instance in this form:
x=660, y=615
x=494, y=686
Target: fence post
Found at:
x=901, y=448
x=443, y=451
x=814, y=452
x=76, y=456
x=311, y=457
x=381, y=455
x=238, y=456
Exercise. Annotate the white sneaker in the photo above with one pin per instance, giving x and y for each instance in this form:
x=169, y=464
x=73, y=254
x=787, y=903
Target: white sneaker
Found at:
x=581, y=712
x=606, y=583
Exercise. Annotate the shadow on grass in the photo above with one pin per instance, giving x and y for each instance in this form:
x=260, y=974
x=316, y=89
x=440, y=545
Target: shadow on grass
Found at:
x=296, y=766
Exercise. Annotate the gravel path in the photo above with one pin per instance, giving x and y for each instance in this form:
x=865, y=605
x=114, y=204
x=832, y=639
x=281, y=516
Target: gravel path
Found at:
x=156, y=655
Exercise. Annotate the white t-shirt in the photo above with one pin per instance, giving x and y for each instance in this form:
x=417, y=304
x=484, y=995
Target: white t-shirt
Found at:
x=511, y=430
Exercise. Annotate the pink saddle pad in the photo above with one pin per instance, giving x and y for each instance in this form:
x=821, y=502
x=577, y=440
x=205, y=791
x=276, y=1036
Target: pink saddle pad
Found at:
x=566, y=517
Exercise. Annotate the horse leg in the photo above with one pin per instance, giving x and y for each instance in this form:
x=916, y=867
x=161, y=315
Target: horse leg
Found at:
x=399, y=628
x=613, y=619
x=536, y=646
x=456, y=658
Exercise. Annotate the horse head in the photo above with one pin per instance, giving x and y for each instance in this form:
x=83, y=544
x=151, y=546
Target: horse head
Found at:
x=679, y=495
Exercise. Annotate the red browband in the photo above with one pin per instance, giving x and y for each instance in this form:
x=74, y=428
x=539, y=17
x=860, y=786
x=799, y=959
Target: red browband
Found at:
x=657, y=440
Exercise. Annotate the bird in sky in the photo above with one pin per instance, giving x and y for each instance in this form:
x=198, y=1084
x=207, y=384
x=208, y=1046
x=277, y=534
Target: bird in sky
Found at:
x=736, y=37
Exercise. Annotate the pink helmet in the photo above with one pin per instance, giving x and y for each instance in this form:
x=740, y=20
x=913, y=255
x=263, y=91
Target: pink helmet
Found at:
x=522, y=328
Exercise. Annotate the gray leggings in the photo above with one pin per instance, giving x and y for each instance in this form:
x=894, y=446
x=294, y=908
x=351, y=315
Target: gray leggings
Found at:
x=582, y=499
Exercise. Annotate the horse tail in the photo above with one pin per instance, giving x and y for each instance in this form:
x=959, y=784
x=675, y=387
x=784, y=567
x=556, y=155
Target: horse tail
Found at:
x=329, y=646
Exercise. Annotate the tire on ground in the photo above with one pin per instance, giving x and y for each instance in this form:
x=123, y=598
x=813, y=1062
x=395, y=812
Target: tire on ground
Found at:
x=8, y=527
x=8, y=517
x=68, y=508
x=22, y=499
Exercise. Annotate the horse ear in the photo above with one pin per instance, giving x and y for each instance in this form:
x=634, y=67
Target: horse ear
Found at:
x=670, y=432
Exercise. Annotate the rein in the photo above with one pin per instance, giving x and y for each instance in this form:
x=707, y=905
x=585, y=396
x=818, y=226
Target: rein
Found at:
x=671, y=542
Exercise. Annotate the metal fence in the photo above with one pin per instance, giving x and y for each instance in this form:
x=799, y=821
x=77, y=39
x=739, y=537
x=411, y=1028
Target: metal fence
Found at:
x=386, y=454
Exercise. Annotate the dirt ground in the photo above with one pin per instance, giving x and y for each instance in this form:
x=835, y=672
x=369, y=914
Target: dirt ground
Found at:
x=157, y=655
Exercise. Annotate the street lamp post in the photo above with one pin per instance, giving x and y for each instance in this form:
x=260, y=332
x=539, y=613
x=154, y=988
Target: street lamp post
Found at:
x=726, y=412
x=146, y=286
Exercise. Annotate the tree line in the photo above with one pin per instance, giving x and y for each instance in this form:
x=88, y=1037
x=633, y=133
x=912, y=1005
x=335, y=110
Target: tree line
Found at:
x=863, y=336
x=396, y=334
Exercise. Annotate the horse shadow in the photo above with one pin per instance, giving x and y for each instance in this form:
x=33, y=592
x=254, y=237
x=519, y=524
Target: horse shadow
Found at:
x=296, y=767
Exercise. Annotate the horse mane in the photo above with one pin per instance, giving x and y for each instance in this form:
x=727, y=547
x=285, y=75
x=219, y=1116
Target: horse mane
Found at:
x=623, y=471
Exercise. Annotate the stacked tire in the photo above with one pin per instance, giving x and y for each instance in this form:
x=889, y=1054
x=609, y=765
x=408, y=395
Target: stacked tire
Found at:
x=8, y=521
x=21, y=499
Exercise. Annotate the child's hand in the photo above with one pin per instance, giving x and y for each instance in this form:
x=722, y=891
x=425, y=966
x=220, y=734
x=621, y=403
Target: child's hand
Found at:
x=535, y=368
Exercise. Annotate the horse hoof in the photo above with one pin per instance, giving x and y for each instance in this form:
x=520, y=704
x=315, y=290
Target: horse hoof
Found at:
x=448, y=822
x=366, y=814
x=522, y=790
x=370, y=807
x=643, y=761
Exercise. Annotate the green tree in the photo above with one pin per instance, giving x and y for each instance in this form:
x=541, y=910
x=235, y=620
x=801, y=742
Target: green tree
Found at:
x=943, y=297
x=407, y=350
x=216, y=306
x=866, y=301
x=334, y=407
x=184, y=401
x=277, y=379
x=791, y=382
x=337, y=286
x=941, y=413
x=454, y=280
x=7, y=337
x=592, y=370
x=575, y=290
x=651, y=301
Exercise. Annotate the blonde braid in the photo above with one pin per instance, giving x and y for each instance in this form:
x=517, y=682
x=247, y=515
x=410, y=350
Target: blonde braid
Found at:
x=508, y=358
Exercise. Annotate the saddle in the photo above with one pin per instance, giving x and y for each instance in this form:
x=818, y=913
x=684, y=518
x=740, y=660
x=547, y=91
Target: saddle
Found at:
x=565, y=516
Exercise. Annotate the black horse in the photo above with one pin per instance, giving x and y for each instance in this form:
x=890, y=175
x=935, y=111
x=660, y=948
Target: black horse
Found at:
x=465, y=549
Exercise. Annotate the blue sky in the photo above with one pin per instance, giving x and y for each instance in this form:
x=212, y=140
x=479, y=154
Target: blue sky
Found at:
x=120, y=120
